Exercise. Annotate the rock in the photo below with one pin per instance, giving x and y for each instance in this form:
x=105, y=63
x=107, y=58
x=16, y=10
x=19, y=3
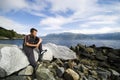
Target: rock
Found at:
x=71, y=64
x=81, y=47
x=100, y=57
x=4, y=45
x=61, y=52
x=91, y=78
x=14, y=77
x=84, y=69
x=93, y=73
x=114, y=72
x=71, y=75
x=27, y=71
x=2, y=72
x=60, y=71
x=87, y=55
x=13, y=59
x=89, y=50
x=43, y=73
x=103, y=64
x=112, y=56
x=103, y=74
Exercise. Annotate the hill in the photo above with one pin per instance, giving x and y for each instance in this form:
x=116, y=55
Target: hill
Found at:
x=106, y=36
x=9, y=34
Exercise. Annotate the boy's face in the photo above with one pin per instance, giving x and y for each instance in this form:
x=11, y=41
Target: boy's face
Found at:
x=34, y=33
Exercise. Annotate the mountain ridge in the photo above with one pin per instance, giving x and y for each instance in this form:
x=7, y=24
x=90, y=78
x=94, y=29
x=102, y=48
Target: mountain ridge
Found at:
x=68, y=35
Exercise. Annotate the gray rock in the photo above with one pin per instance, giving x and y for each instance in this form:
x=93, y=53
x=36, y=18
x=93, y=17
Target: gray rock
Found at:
x=43, y=73
x=91, y=78
x=101, y=57
x=56, y=51
x=87, y=55
x=115, y=72
x=60, y=71
x=4, y=45
x=14, y=77
x=27, y=71
x=103, y=74
x=13, y=59
x=2, y=72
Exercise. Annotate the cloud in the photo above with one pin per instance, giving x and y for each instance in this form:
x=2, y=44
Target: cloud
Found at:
x=23, y=5
x=8, y=5
x=54, y=23
x=89, y=16
x=12, y=25
x=86, y=13
x=101, y=20
x=95, y=31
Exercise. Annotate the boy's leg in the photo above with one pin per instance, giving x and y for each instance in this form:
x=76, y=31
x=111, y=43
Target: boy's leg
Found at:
x=30, y=55
x=40, y=47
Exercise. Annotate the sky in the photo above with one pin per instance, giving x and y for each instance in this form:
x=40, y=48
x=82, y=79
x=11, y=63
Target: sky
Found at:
x=57, y=16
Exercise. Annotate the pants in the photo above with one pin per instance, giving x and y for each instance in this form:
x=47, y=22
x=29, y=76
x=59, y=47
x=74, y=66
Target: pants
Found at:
x=30, y=54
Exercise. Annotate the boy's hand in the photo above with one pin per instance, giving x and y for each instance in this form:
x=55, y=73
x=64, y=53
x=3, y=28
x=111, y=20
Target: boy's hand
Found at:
x=37, y=45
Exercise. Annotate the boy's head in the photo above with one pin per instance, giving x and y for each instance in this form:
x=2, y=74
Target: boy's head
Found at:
x=33, y=31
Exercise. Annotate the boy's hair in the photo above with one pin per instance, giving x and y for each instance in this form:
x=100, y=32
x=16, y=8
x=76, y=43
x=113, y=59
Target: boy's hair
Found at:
x=33, y=29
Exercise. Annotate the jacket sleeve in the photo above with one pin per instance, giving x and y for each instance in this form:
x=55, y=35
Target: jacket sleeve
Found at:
x=26, y=39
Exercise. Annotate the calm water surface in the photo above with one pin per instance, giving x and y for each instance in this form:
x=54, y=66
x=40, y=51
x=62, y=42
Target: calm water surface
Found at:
x=109, y=43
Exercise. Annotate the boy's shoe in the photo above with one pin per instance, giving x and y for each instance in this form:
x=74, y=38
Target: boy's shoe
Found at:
x=43, y=51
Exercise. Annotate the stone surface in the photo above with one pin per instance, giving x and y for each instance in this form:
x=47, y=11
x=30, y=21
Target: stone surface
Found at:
x=13, y=59
x=43, y=73
x=57, y=51
x=89, y=50
x=2, y=72
x=71, y=75
x=115, y=72
x=60, y=71
x=4, y=45
x=103, y=74
x=64, y=65
x=14, y=77
x=101, y=57
x=27, y=71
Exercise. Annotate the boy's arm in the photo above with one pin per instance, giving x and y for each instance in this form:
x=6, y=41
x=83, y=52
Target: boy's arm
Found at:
x=40, y=41
x=27, y=42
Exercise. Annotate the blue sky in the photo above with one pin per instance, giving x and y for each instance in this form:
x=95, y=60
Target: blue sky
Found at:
x=57, y=16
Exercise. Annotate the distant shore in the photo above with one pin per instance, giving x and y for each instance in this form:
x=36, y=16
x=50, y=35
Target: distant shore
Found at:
x=6, y=38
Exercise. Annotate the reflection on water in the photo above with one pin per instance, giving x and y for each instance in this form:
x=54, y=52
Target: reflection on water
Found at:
x=110, y=43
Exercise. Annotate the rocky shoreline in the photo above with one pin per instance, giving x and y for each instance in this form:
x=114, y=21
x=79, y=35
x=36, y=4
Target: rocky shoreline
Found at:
x=90, y=63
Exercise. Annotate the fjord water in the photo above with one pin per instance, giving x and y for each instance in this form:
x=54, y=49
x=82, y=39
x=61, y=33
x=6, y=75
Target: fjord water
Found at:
x=109, y=43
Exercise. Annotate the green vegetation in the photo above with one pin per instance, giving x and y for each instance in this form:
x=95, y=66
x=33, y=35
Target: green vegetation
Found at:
x=9, y=34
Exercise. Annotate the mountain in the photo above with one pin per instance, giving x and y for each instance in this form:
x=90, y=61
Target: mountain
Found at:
x=9, y=34
x=67, y=36
x=107, y=36
x=72, y=36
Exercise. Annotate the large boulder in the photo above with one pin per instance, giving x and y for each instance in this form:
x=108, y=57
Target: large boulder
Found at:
x=43, y=73
x=13, y=59
x=56, y=51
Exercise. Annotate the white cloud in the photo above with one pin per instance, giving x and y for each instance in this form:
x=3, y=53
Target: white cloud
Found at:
x=54, y=23
x=35, y=7
x=86, y=13
x=95, y=31
x=8, y=5
x=101, y=20
x=12, y=25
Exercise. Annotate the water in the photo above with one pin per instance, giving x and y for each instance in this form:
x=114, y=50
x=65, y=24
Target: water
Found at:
x=68, y=43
